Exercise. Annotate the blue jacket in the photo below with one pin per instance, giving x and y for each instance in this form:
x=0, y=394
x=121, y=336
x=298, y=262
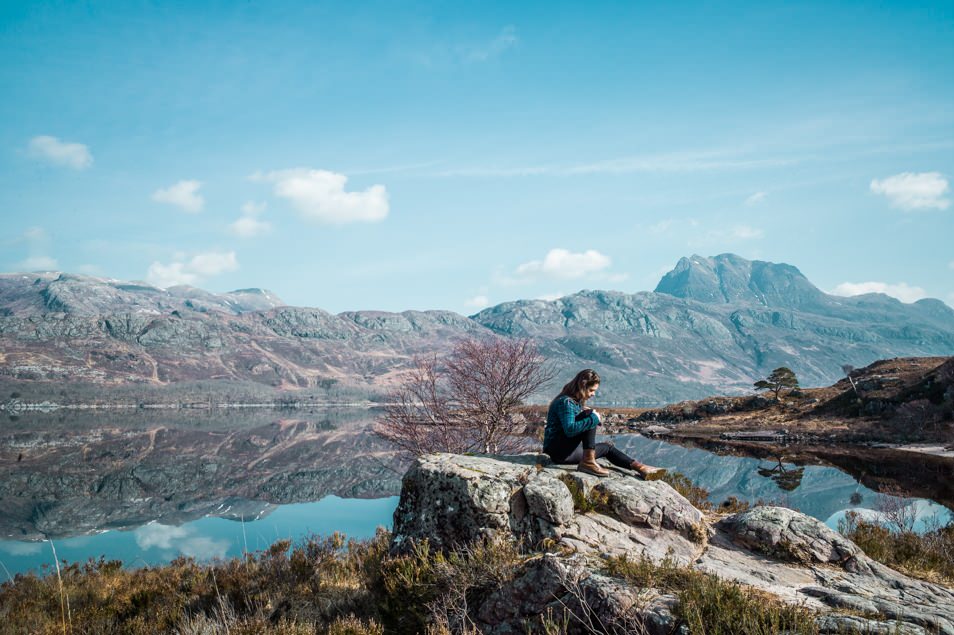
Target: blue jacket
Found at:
x=561, y=420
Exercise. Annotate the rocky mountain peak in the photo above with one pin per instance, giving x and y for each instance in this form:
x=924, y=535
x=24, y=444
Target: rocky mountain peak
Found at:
x=731, y=279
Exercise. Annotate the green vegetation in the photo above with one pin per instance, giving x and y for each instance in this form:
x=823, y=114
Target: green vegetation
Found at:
x=324, y=586
x=929, y=555
x=597, y=500
x=698, y=496
x=713, y=606
x=781, y=377
x=330, y=586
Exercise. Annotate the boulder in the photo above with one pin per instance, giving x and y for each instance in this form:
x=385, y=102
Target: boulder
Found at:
x=652, y=504
x=451, y=500
x=789, y=535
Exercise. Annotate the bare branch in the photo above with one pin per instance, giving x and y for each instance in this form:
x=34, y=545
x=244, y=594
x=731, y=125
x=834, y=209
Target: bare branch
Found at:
x=468, y=403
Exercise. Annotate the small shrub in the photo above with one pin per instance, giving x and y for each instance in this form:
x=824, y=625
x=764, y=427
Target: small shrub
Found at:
x=713, y=606
x=698, y=496
x=733, y=505
x=929, y=555
x=351, y=625
x=597, y=501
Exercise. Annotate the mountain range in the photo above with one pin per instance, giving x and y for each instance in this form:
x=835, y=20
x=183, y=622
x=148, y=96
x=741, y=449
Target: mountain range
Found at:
x=712, y=325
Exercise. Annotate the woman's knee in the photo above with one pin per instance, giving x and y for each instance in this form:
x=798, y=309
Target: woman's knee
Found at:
x=603, y=448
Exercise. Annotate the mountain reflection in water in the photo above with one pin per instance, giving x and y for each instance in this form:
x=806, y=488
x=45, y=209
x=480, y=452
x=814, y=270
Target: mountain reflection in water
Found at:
x=71, y=476
x=146, y=487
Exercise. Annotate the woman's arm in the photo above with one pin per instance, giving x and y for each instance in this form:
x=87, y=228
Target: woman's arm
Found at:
x=572, y=427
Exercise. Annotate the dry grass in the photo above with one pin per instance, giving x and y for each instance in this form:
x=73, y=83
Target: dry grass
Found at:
x=713, y=606
x=929, y=556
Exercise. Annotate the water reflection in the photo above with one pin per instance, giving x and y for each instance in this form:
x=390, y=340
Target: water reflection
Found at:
x=147, y=487
x=65, y=478
x=820, y=491
x=206, y=538
x=787, y=478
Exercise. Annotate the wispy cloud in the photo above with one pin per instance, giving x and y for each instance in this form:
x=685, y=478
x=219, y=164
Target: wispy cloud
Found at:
x=661, y=227
x=477, y=302
x=319, y=196
x=673, y=162
x=90, y=270
x=191, y=271
x=506, y=39
x=249, y=226
x=38, y=246
x=911, y=191
x=38, y=263
x=728, y=235
x=755, y=199
x=21, y=548
x=184, y=195
x=902, y=291
x=550, y=297
x=72, y=155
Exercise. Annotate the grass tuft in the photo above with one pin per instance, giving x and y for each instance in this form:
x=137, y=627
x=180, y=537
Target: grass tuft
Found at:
x=713, y=606
x=929, y=555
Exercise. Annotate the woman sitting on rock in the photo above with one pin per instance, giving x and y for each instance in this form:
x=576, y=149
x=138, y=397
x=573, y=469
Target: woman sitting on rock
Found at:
x=570, y=435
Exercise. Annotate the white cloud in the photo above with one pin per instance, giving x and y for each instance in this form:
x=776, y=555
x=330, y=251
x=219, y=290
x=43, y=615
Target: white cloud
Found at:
x=910, y=191
x=248, y=226
x=50, y=149
x=671, y=162
x=744, y=232
x=561, y=263
x=183, y=540
x=661, y=227
x=38, y=263
x=190, y=272
x=320, y=196
x=184, y=194
x=477, y=302
x=507, y=38
x=251, y=208
x=91, y=270
x=901, y=291
x=213, y=263
x=35, y=233
x=755, y=199
x=730, y=235
x=550, y=297
x=21, y=548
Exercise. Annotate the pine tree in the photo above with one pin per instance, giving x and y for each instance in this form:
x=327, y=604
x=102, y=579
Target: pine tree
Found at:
x=781, y=377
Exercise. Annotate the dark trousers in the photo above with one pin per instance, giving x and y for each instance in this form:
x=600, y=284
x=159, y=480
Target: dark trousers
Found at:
x=566, y=450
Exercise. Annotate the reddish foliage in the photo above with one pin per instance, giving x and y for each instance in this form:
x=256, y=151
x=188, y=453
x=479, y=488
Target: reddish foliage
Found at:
x=466, y=403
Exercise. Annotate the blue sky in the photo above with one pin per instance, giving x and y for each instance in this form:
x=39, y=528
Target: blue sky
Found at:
x=455, y=155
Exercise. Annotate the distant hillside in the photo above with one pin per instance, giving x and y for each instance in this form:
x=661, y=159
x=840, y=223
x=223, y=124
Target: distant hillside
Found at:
x=713, y=325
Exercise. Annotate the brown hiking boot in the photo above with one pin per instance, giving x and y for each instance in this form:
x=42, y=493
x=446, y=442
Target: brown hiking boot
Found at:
x=589, y=465
x=648, y=472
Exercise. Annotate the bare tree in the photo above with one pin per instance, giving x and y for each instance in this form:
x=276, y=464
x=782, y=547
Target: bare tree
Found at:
x=466, y=403
x=848, y=369
x=897, y=513
x=419, y=417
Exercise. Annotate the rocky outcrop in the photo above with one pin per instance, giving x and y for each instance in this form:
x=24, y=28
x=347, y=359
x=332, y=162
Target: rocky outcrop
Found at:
x=452, y=500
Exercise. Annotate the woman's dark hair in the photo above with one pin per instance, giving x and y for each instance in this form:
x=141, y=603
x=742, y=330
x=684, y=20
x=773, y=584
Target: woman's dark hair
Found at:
x=583, y=380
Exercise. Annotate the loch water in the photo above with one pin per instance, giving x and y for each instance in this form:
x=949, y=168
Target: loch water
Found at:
x=146, y=487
